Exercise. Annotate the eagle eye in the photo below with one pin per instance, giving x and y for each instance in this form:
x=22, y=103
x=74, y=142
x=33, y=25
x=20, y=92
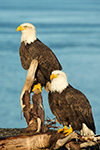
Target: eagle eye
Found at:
x=25, y=26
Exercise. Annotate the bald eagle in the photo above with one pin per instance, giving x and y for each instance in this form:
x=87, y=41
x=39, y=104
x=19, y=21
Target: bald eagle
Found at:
x=69, y=105
x=35, y=57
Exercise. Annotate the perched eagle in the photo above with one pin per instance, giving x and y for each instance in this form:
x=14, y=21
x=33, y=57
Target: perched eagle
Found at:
x=69, y=105
x=35, y=57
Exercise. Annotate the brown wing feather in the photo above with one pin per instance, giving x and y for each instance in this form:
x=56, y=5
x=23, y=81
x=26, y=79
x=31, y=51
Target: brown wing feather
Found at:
x=80, y=107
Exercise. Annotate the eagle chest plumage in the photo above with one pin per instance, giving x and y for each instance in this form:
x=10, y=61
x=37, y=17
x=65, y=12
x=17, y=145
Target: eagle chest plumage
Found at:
x=47, y=61
x=71, y=107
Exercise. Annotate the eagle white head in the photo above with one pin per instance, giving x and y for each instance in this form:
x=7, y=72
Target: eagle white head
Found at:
x=58, y=81
x=28, y=33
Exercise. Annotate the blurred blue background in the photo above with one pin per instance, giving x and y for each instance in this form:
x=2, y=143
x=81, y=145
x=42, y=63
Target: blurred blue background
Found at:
x=71, y=28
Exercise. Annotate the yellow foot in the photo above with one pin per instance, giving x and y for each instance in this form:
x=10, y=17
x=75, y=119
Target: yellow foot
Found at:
x=37, y=86
x=66, y=130
x=60, y=130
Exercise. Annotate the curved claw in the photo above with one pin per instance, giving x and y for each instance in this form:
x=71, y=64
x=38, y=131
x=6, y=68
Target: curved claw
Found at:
x=66, y=130
x=60, y=130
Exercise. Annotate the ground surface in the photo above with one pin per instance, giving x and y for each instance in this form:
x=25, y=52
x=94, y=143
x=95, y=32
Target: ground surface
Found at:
x=10, y=132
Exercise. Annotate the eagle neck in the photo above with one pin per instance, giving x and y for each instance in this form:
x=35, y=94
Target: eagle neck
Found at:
x=28, y=37
x=58, y=86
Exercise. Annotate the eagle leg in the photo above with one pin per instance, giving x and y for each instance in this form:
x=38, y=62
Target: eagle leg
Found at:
x=66, y=130
x=37, y=86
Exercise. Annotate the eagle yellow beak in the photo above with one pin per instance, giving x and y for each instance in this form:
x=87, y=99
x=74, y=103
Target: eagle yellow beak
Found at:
x=20, y=28
x=53, y=76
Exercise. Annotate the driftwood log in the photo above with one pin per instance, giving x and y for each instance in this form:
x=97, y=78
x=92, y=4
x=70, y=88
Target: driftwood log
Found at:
x=38, y=134
x=49, y=140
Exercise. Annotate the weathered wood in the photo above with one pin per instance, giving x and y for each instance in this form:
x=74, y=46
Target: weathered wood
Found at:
x=25, y=143
x=26, y=109
x=47, y=141
x=29, y=79
x=38, y=110
x=65, y=140
x=33, y=113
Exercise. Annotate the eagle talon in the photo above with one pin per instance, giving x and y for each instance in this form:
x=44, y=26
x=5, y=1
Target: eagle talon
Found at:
x=60, y=130
x=66, y=130
x=37, y=86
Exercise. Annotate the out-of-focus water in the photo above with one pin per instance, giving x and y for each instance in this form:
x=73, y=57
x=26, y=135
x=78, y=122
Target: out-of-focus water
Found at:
x=71, y=29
